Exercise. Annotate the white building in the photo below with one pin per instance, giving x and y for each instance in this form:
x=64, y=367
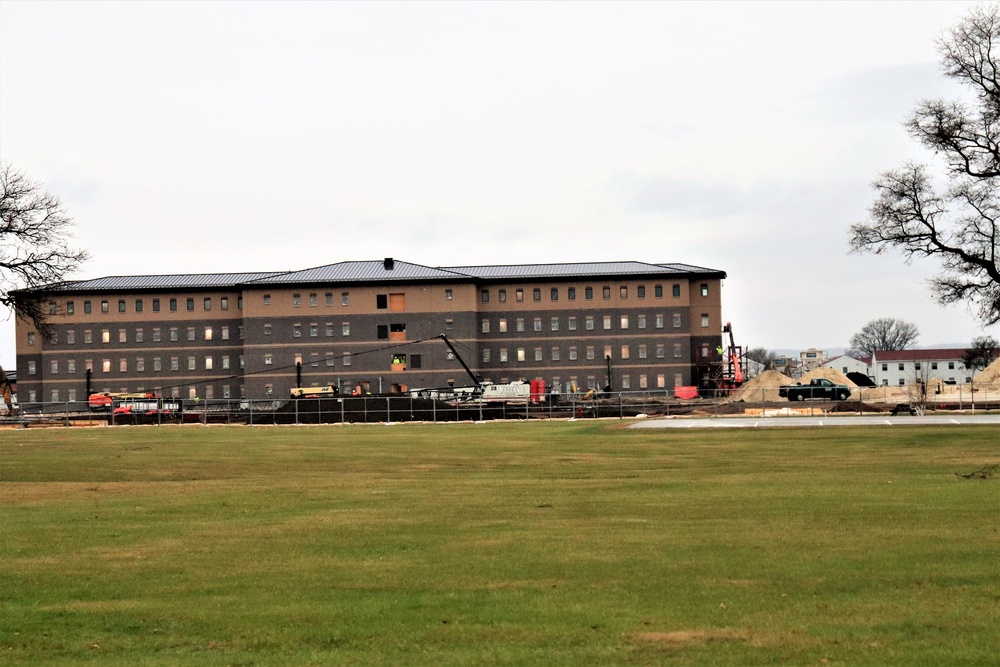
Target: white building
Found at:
x=903, y=367
x=846, y=364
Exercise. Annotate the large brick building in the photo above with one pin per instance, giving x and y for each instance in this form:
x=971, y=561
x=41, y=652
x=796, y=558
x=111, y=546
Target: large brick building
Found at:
x=375, y=324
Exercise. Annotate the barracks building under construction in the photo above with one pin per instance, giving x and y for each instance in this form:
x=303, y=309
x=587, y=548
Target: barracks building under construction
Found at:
x=375, y=325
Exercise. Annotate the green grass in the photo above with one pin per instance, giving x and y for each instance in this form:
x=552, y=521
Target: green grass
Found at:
x=509, y=544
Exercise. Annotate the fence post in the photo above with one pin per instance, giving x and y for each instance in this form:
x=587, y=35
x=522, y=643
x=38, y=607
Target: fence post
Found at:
x=388, y=410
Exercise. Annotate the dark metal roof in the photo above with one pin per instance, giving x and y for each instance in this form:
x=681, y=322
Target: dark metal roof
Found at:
x=183, y=281
x=376, y=271
x=579, y=270
x=364, y=271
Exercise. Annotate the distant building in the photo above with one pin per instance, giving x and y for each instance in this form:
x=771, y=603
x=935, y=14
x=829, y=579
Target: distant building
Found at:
x=903, y=367
x=811, y=359
x=847, y=364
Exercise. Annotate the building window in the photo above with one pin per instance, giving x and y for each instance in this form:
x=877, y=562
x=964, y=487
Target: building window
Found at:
x=297, y=330
x=676, y=320
x=704, y=289
x=329, y=298
x=502, y=295
x=31, y=368
x=122, y=336
x=104, y=305
x=139, y=335
x=502, y=325
x=519, y=325
x=485, y=326
x=519, y=295
x=538, y=354
x=70, y=337
x=267, y=329
x=885, y=367
x=207, y=303
x=572, y=353
x=192, y=363
x=660, y=351
x=329, y=328
x=537, y=323
x=313, y=330
x=676, y=290
x=486, y=355
x=174, y=364
x=916, y=367
x=123, y=365
x=555, y=324
x=900, y=366
x=54, y=367
x=224, y=302
x=121, y=305
x=86, y=307
x=503, y=355
x=951, y=365
x=88, y=337
x=484, y=296
x=641, y=321
x=105, y=336
x=449, y=294
x=623, y=292
x=607, y=322
x=190, y=333
x=571, y=323
x=268, y=359
x=225, y=333
x=571, y=293
x=382, y=332
x=172, y=304
x=267, y=299
x=157, y=364
x=225, y=362
x=296, y=300
x=190, y=303
x=313, y=300
x=640, y=291
x=554, y=294
x=626, y=381
x=625, y=352
x=31, y=338
x=536, y=294
x=642, y=351
x=555, y=354
x=643, y=381
x=590, y=353
x=381, y=301
x=588, y=293
x=933, y=366
x=140, y=365
x=329, y=359
x=520, y=354
x=624, y=321
x=704, y=320
x=588, y=324
x=345, y=329
x=449, y=324
x=156, y=305
x=606, y=292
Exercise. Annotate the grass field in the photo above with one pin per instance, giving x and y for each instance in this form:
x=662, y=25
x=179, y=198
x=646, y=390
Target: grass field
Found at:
x=569, y=543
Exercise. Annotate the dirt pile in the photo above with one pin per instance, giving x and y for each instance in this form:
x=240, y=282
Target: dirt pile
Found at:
x=763, y=387
x=991, y=373
x=831, y=374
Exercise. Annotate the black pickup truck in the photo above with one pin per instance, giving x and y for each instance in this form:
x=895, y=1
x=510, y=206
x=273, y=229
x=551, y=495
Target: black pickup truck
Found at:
x=818, y=388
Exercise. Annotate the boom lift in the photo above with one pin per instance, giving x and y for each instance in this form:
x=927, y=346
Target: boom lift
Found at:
x=732, y=375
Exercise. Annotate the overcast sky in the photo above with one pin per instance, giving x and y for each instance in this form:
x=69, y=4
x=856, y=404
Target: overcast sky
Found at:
x=209, y=136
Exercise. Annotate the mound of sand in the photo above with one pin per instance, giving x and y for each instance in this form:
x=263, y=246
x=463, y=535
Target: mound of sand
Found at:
x=830, y=374
x=763, y=387
x=991, y=373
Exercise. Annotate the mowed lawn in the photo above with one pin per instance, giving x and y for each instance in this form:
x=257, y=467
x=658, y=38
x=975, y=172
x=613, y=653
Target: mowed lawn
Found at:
x=569, y=543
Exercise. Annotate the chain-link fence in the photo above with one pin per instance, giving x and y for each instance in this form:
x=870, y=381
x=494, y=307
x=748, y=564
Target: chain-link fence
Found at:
x=406, y=408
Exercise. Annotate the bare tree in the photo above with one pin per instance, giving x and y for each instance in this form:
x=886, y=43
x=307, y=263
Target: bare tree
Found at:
x=761, y=355
x=883, y=334
x=981, y=353
x=34, y=245
x=959, y=224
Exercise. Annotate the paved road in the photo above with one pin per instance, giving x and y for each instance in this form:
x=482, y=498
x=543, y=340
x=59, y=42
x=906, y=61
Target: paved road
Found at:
x=769, y=422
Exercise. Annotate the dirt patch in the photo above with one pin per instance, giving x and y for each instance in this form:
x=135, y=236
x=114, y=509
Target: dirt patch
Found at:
x=693, y=636
x=831, y=374
x=991, y=373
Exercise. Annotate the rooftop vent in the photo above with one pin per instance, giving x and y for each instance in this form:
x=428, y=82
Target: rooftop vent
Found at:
x=389, y=263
